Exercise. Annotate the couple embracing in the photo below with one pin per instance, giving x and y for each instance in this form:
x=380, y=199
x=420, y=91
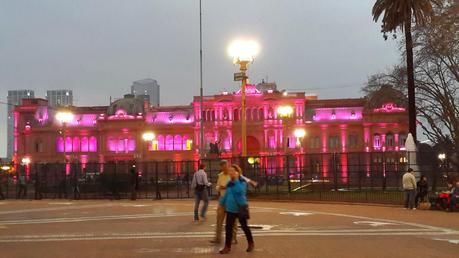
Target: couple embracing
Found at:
x=232, y=192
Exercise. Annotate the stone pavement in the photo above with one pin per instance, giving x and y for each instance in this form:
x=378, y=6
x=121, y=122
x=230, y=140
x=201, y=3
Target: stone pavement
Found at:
x=50, y=228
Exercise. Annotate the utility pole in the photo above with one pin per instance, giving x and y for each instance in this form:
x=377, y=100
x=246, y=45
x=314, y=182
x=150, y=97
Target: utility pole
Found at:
x=201, y=122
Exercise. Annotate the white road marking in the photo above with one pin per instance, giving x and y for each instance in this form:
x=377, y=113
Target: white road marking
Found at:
x=60, y=203
x=373, y=223
x=451, y=241
x=296, y=214
x=278, y=233
x=58, y=208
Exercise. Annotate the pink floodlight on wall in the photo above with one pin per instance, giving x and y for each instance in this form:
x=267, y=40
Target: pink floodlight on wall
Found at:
x=169, y=118
x=342, y=113
x=121, y=114
x=83, y=120
x=389, y=108
x=250, y=89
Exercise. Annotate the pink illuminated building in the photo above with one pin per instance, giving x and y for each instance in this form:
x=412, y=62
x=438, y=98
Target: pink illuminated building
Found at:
x=114, y=133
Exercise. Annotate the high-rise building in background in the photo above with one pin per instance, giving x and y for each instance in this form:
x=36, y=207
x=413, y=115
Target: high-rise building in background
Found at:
x=58, y=98
x=148, y=88
x=14, y=98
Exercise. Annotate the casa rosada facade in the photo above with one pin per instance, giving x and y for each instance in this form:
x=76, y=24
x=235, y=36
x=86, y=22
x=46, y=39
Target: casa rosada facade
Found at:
x=114, y=133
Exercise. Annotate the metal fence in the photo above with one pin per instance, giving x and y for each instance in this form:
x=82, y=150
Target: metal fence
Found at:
x=355, y=177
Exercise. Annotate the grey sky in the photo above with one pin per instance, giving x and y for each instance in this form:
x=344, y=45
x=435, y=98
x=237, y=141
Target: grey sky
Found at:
x=97, y=48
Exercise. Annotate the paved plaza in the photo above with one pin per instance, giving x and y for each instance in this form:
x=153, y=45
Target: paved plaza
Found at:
x=51, y=228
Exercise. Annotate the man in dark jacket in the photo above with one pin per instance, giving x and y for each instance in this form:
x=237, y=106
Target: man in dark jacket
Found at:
x=423, y=190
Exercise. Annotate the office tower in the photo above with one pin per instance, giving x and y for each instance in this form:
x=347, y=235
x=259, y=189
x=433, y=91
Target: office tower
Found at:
x=148, y=88
x=57, y=98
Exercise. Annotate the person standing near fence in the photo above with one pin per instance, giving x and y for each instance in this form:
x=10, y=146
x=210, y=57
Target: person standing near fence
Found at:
x=409, y=186
x=134, y=182
x=422, y=190
x=200, y=184
x=2, y=197
x=22, y=186
x=236, y=207
x=75, y=186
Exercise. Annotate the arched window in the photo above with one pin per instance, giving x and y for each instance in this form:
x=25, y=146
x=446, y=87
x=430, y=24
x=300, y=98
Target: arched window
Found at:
x=112, y=144
x=178, y=142
x=236, y=114
x=225, y=114
x=169, y=142
x=390, y=142
x=76, y=144
x=60, y=144
x=186, y=142
x=131, y=145
x=93, y=144
x=121, y=145
x=260, y=114
x=68, y=144
x=161, y=142
x=377, y=141
x=85, y=144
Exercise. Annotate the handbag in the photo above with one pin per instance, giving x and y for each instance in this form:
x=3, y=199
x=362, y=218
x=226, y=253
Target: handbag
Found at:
x=244, y=212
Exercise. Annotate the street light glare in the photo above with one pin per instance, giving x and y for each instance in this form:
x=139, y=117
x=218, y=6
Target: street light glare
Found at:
x=299, y=133
x=243, y=50
x=285, y=111
x=64, y=117
x=148, y=136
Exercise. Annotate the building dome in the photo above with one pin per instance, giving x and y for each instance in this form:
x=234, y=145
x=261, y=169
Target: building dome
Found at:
x=129, y=105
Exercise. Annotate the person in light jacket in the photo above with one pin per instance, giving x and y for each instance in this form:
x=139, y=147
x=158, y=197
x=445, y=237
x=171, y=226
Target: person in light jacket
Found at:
x=409, y=185
x=235, y=197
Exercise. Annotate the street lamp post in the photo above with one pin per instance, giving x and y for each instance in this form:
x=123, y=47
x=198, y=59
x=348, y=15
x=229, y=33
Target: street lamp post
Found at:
x=243, y=53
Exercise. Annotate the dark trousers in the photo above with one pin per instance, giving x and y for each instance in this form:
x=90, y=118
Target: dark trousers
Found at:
x=22, y=192
x=420, y=197
x=2, y=197
x=230, y=220
x=410, y=198
x=76, y=192
x=453, y=202
x=198, y=197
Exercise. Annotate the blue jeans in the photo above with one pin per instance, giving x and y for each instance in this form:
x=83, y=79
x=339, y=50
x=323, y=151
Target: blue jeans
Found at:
x=410, y=196
x=198, y=197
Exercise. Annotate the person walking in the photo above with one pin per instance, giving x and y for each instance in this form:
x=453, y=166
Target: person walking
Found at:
x=422, y=190
x=409, y=186
x=454, y=197
x=22, y=186
x=75, y=186
x=236, y=207
x=222, y=181
x=134, y=182
x=200, y=184
x=2, y=197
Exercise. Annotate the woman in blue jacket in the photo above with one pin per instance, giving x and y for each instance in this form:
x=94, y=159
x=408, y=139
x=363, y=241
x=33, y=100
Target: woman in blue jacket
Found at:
x=234, y=199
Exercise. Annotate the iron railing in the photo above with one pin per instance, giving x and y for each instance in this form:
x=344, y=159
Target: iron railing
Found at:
x=354, y=177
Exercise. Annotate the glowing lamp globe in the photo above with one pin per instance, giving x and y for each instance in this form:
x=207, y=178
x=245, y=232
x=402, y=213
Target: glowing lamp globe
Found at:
x=148, y=136
x=285, y=111
x=64, y=117
x=299, y=133
x=243, y=50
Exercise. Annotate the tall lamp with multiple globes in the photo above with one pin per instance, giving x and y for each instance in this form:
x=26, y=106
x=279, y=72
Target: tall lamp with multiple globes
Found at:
x=243, y=53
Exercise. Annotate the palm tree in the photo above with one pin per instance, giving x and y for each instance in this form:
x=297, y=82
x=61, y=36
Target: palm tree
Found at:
x=398, y=14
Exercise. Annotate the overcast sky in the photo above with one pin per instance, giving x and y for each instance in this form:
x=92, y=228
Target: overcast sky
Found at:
x=97, y=48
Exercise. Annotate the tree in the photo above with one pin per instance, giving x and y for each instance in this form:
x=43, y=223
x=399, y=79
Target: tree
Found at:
x=436, y=68
x=437, y=76
x=398, y=14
